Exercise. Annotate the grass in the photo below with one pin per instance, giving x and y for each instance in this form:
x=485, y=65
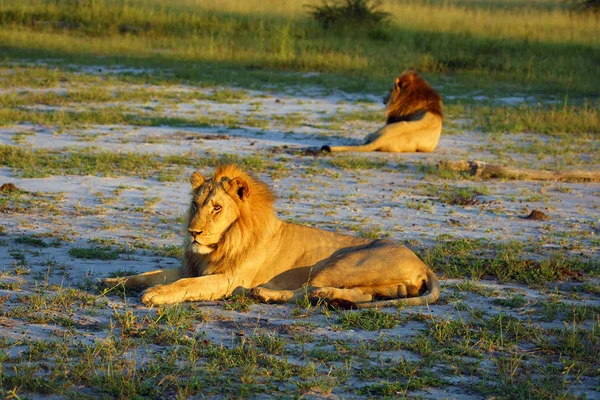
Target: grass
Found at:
x=506, y=261
x=356, y=162
x=579, y=121
x=194, y=364
x=513, y=43
x=370, y=320
x=112, y=115
x=455, y=194
x=96, y=253
x=32, y=163
x=31, y=241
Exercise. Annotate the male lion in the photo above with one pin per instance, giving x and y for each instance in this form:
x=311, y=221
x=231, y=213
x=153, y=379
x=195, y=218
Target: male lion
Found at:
x=413, y=119
x=236, y=242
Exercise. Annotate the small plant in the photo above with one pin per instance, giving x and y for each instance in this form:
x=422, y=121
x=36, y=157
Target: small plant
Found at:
x=31, y=241
x=240, y=303
x=98, y=253
x=368, y=320
x=348, y=12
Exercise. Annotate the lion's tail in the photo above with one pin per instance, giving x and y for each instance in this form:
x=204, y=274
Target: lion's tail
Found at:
x=433, y=294
x=358, y=148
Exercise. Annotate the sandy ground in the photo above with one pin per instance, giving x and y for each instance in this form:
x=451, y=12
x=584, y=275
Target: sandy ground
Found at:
x=310, y=190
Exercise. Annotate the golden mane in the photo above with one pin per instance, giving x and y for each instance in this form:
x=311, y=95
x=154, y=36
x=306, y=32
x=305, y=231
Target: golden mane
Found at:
x=257, y=220
x=412, y=95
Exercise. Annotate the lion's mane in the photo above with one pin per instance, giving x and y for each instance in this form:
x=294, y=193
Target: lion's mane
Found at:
x=410, y=96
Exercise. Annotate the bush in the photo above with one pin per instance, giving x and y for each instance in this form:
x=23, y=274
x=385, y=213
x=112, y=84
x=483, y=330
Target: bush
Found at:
x=349, y=13
x=586, y=5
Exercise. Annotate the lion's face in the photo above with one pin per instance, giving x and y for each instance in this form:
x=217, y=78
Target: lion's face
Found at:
x=213, y=211
x=394, y=93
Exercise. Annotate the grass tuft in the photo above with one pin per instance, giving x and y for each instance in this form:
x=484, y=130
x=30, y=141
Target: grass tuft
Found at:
x=346, y=13
x=98, y=253
x=368, y=320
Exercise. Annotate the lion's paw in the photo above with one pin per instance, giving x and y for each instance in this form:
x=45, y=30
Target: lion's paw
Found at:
x=270, y=296
x=322, y=293
x=157, y=295
x=261, y=294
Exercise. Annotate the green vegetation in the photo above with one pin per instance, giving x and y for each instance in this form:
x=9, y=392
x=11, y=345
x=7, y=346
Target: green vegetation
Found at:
x=356, y=162
x=98, y=253
x=348, y=13
x=536, y=44
x=31, y=241
x=579, y=121
x=42, y=163
x=369, y=320
x=507, y=262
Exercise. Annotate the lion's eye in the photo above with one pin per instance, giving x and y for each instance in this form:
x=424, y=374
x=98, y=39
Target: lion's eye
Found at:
x=195, y=206
x=217, y=207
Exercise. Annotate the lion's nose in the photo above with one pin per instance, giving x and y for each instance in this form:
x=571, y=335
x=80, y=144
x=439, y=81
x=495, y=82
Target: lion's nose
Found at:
x=194, y=233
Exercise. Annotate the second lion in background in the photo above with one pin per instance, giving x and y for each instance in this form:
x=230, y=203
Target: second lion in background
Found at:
x=413, y=119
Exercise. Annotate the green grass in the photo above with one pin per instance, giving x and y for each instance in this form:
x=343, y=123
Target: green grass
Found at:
x=31, y=241
x=505, y=261
x=579, y=121
x=99, y=94
x=369, y=320
x=356, y=162
x=30, y=163
x=547, y=47
x=455, y=194
x=113, y=115
x=96, y=253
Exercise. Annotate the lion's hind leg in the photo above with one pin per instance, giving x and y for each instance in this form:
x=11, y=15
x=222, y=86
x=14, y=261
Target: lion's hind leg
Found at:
x=343, y=297
x=364, y=294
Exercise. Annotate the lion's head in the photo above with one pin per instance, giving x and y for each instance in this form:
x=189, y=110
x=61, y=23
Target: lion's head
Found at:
x=229, y=213
x=411, y=95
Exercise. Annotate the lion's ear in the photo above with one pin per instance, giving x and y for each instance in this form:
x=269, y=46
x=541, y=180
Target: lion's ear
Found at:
x=398, y=83
x=196, y=180
x=239, y=187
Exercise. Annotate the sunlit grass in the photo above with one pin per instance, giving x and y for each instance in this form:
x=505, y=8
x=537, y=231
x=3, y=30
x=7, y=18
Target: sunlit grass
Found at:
x=572, y=120
x=537, y=44
x=43, y=163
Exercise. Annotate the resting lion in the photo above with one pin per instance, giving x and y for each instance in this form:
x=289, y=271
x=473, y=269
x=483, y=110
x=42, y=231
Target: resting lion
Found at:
x=236, y=242
x=413, y=119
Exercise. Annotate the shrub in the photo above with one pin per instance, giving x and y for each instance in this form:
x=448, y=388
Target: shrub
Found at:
x=586, y=5
x=348, y=12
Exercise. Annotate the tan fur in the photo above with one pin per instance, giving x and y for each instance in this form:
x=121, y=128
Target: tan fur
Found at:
x=236, y=242
x=413, y=119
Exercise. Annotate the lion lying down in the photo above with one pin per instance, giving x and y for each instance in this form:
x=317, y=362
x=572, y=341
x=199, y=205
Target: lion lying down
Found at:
x=236, y=242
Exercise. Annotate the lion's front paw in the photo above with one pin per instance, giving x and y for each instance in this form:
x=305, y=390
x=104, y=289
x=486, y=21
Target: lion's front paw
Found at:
x=157, y=295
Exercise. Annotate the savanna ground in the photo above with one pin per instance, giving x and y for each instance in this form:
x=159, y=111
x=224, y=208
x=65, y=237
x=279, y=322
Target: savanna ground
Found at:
x=107, y=107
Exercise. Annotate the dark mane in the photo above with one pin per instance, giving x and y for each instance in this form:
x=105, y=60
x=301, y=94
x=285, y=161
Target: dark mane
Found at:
x=412, y=96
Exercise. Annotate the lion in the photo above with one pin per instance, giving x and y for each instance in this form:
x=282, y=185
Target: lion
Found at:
x=413, y=119
x=235, y=243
